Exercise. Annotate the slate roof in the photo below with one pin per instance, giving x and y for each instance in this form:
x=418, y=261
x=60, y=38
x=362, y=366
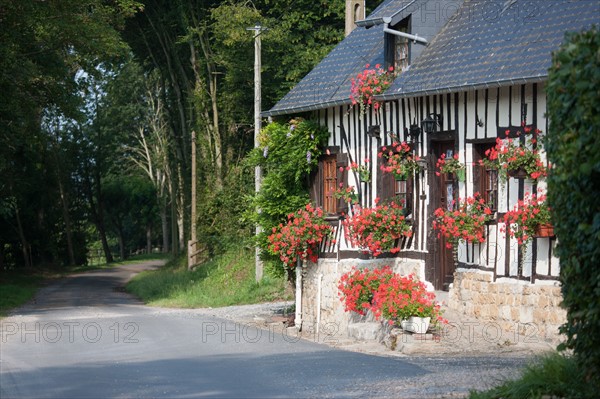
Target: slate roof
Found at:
x=491, y=43
x=328, y=84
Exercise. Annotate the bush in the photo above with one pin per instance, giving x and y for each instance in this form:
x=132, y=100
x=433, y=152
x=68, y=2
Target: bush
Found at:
x=574, y=189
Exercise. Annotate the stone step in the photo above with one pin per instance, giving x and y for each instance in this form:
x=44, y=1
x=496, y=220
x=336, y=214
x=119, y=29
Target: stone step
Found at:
x=369, y=331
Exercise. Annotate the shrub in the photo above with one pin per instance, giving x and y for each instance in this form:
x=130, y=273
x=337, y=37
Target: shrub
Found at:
x=574, y=189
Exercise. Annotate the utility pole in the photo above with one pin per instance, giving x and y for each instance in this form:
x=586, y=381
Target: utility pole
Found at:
x=257, y=125
x=194, y=238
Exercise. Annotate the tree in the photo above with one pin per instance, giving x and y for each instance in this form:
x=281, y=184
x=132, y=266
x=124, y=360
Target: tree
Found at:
x=574, y=189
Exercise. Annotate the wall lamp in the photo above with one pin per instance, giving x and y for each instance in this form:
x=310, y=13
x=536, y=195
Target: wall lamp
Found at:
x=374, y=131
x=432, y=123
x=414, y=131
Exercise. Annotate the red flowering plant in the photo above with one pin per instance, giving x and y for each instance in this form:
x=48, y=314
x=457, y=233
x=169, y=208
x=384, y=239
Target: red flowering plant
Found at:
x=523, y=220
x=363, y=171
x=510, y=156
x=300, y=236
x=465, y=223
x=400, y=161
x=450, y=165
x=401, y=297
x=369, y=83
x=358, y=286
x=388, y=295
x=376, y=229
x=347, y=194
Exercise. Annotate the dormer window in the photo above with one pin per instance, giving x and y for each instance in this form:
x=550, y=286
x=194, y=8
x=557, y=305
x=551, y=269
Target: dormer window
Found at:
x=397, y=48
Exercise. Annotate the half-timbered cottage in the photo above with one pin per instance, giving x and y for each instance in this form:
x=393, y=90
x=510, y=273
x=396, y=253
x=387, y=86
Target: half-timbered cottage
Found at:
x=476, y=71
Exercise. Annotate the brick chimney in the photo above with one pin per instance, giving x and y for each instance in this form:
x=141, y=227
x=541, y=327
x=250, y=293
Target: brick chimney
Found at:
x=355, y=11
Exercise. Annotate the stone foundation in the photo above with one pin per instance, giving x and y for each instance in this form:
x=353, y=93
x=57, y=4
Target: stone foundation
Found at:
x=333, y=320
x=532, y=310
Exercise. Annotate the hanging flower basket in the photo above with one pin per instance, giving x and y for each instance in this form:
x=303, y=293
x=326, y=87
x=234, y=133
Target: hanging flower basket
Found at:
x=514, y=158
x=399, y=161
x=524, y=221
x=465, y=223
x=451, y=166
x=519, y=173
x=544, y=230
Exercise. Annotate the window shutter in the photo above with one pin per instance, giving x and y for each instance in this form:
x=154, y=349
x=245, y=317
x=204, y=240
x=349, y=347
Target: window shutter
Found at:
x=342, y=177
x=316, y=186
x=385, y=181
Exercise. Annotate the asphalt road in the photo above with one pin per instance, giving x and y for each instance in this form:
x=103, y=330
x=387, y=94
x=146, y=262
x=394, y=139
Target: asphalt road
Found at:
x=83, y=337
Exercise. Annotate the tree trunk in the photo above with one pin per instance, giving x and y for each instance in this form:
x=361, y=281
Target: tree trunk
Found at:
x=165, y=226
x=149, y=238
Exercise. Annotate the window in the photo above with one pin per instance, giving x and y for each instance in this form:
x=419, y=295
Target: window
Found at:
x=328, y=178
x=485, y=178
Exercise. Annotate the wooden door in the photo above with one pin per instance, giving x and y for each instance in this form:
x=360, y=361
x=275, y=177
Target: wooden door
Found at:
x=444, y=194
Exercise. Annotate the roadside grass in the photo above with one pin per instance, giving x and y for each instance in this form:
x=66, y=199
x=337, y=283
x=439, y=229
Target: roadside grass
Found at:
x=552, y=376
x=17, y=287
x=228, y=279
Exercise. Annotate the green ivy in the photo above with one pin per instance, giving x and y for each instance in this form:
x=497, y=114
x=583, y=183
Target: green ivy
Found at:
x=574, y=189
x=288, y=153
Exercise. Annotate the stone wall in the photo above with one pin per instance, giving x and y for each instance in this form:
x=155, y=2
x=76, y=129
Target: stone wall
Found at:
x=532, y=310
x=333, y=319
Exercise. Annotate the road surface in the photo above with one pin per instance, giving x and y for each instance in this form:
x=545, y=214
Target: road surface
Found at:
x=84, y=337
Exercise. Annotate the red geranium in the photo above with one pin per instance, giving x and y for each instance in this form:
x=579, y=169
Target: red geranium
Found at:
x=400, y=161
x=369, y=83
x=376, y=229
x=465, y=223
x=300, y=236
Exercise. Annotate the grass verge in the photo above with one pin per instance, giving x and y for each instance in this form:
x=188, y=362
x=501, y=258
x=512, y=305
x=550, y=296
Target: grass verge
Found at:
x=552, y=376
x=17, y=289
x=228, y=279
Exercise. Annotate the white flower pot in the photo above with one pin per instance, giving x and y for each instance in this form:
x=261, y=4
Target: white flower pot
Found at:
x=418, y=325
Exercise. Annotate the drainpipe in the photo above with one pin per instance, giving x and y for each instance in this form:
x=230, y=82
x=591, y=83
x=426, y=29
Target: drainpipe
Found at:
x=386, y=29
x=319, y=286
x=298, y=319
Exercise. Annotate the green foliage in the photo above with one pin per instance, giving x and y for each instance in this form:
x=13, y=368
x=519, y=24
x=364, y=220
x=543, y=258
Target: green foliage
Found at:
x=288, y=153
x=574, y=189
x=553, y=375
x=226, y=280
x=16, y=290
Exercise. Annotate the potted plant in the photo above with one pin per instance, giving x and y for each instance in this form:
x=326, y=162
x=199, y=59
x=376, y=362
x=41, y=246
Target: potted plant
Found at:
x=405, y=301
x=300, y=236
x=401, y=300
x=399, y=160
x=451, y=165
x=347, y=194
x=465, y=223
x=363, y=171
x=529, y=218
x=376, y=230
x=369, y=83
x=516, y=158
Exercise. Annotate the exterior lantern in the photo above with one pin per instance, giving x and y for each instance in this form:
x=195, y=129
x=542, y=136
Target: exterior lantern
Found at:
x=431, y=123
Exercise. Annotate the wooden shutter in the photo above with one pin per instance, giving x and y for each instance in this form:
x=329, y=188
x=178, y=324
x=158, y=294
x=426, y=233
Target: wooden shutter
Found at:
x=341, y=177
